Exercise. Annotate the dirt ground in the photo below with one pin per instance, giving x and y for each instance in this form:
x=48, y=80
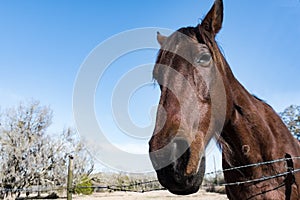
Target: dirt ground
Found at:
x=157, y=195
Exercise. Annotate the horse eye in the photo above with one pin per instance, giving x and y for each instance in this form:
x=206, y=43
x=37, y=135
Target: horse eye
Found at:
x=204, y=59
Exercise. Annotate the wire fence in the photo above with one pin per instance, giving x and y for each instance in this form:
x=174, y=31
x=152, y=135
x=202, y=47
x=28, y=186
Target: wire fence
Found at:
x=141, y=187
x=254, y=165
x=153, y=185
x=138, y=187
x=290, y=170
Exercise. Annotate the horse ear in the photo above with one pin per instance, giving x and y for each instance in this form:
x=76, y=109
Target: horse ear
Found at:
x=214, y=18
x=160, y=38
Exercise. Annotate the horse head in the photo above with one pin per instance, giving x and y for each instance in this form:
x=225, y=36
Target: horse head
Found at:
x=193, y=102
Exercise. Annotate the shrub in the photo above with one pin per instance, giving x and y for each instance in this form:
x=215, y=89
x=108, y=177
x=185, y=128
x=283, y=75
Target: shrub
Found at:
x=84, y=186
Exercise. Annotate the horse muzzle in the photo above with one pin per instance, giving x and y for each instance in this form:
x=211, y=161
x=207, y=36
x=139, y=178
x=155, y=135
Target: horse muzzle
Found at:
x=171, y=164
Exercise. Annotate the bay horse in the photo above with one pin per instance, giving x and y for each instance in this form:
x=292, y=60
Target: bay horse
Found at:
x=201, y=99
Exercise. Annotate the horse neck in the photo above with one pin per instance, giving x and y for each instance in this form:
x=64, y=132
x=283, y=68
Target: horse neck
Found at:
x=254, y=132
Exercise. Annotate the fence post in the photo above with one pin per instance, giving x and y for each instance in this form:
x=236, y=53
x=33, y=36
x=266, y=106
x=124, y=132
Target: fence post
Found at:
x=290, y=178
x=70, y=179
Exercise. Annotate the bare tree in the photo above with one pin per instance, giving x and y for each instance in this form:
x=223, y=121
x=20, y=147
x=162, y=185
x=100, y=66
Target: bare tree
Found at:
x=291, y=117
x=70, y=144
x=30, y=156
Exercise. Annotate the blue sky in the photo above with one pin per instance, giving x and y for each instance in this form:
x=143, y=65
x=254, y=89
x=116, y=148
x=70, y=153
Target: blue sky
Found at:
x=43, y=43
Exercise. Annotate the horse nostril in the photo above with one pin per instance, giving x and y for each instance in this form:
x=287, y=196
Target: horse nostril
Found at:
x=162, y=158
x=180, y=148
x=176, y=156
x=181, y=156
